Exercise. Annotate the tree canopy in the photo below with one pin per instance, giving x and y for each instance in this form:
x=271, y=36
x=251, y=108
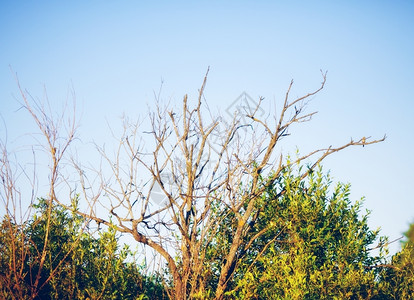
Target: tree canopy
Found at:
x=315, y=244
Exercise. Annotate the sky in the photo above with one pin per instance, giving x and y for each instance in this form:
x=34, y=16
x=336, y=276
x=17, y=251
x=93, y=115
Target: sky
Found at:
x=114, y=56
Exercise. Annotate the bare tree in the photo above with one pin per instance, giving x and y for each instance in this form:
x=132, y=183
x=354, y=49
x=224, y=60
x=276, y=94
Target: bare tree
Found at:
x=16, y=280
x=192, y=162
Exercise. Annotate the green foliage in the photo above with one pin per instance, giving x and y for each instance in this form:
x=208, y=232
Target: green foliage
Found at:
x=305, y=243
x=398, y=279
x=78, y=264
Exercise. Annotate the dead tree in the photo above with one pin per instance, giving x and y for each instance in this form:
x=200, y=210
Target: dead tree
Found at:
x=191, y=160
x=58, y=134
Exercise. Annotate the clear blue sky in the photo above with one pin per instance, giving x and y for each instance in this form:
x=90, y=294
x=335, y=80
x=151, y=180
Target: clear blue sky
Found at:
x=116, y=53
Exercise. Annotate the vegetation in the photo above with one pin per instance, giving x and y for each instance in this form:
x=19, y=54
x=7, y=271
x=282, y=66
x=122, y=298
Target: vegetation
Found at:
x=398, y=278
x=236, y=218
x=316, y=245
x=80, y=264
